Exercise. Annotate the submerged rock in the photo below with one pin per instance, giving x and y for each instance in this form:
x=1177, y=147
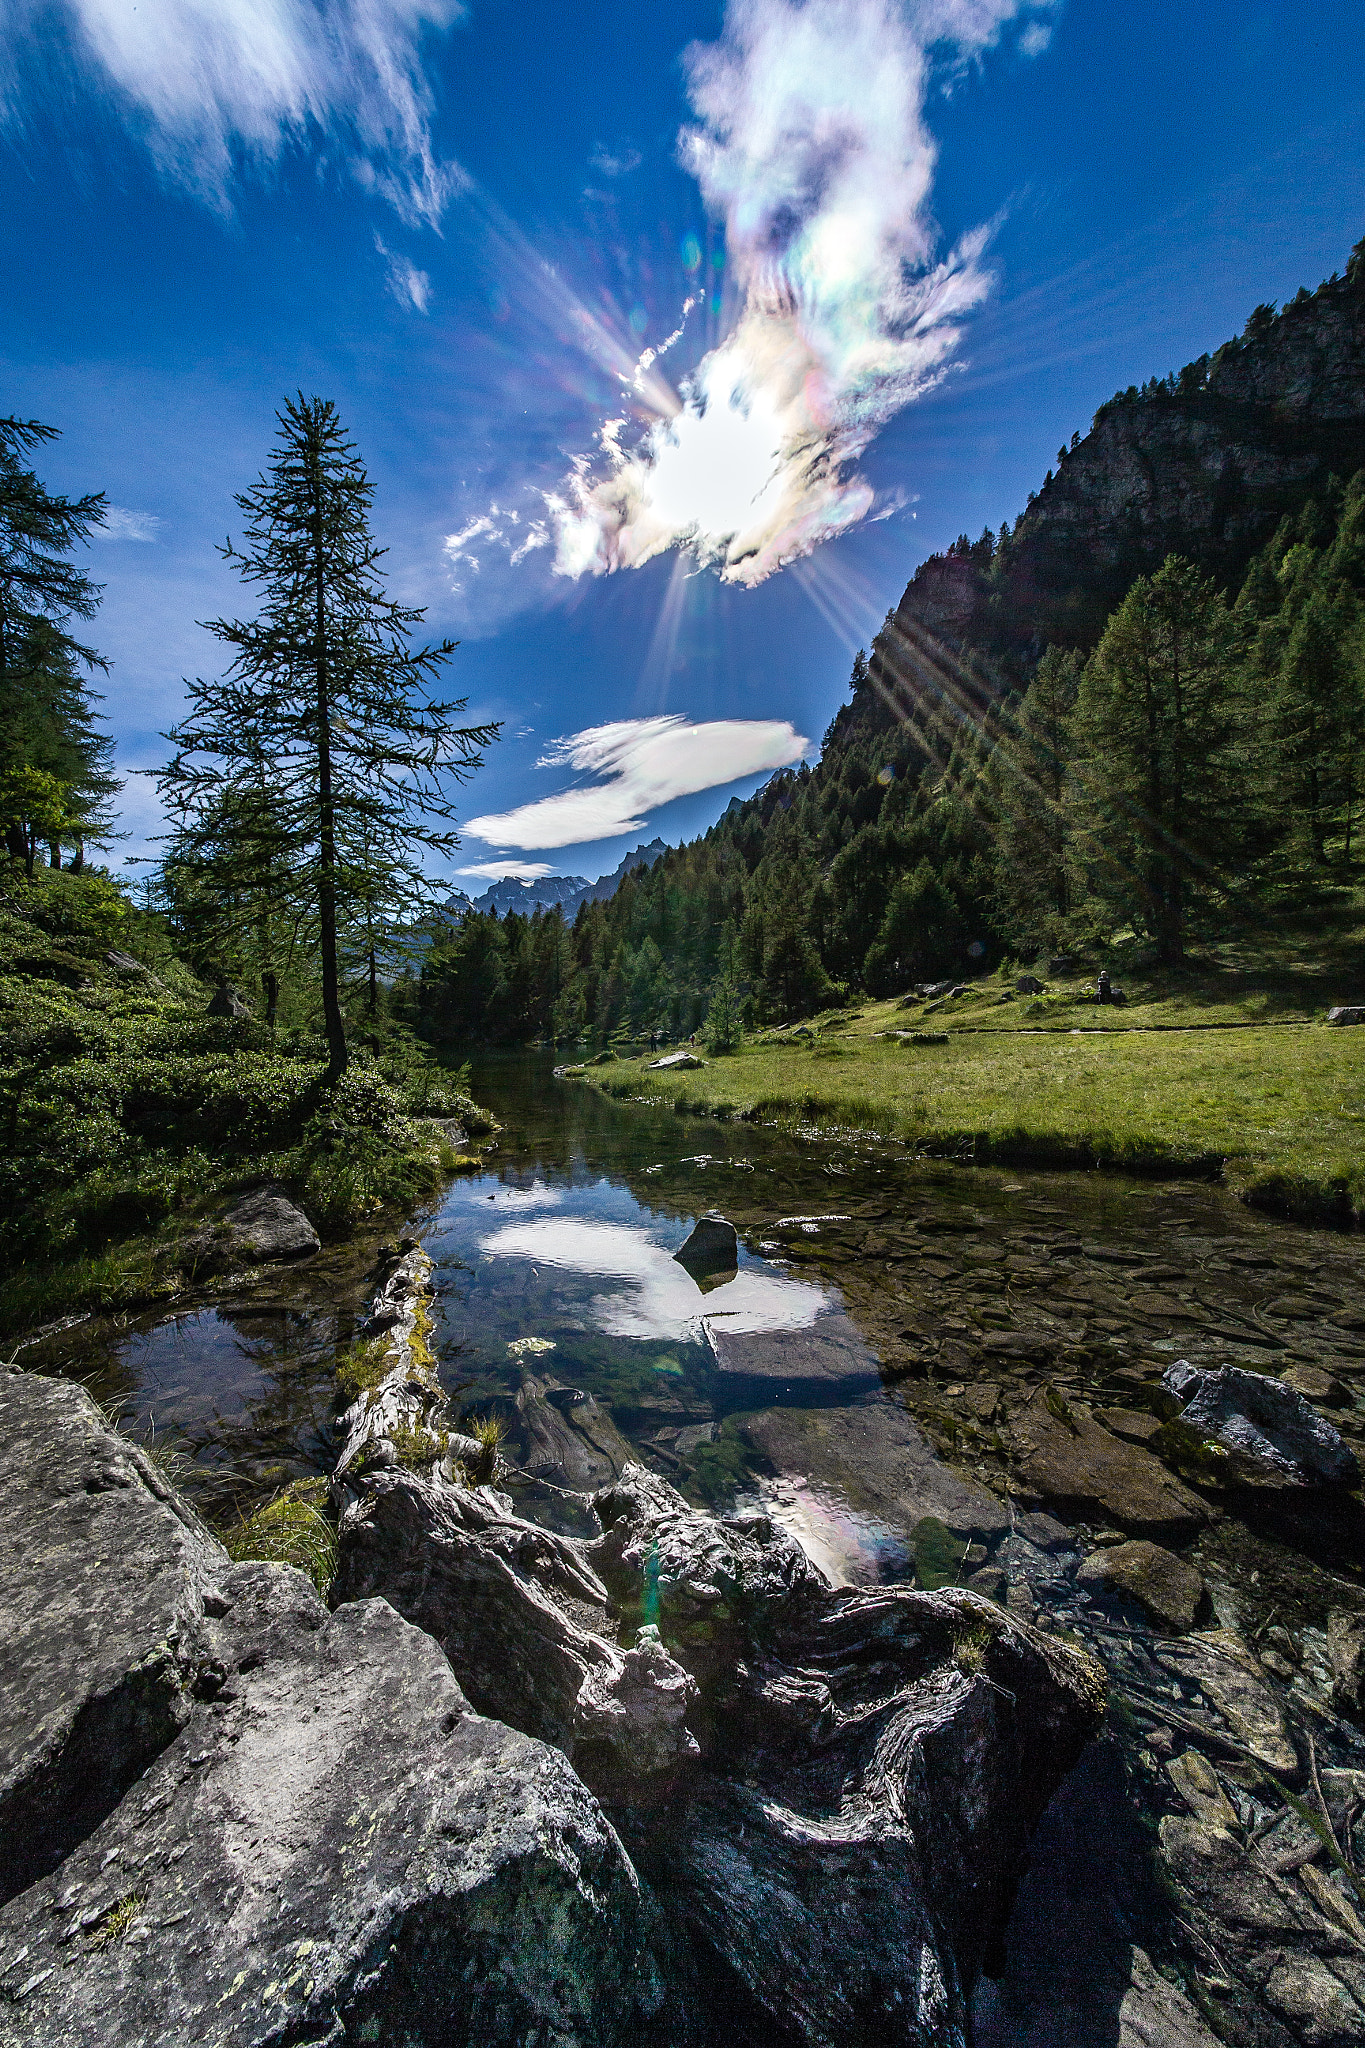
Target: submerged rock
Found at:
x=1346, y=1650
x=1067, y=1457
x=1169, y=1591
x=261, y=1226
x=1274, y=1432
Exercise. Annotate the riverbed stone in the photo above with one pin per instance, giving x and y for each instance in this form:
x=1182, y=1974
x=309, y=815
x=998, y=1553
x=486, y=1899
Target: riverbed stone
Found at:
x=1170, y=1592
x=1195, y=1779
x=335, y=1848
x=1220, y=1663
x=103, y=1577
x=1346, y=1649
x=872, y=1454
x=571, y=1440
x=261, y=1227
x=1065, y=1455
x=829, y=1357
x=1272, y=1431
x=1322, y=1388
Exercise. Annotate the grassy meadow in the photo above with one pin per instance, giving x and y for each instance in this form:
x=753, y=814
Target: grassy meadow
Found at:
x=1220, y=1073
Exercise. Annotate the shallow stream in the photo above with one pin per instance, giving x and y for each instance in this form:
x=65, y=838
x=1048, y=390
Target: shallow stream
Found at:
x=882, y=1311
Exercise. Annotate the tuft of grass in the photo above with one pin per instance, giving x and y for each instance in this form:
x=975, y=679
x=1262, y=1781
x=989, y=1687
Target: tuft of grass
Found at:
x=363, y=1367
x=420, y=1446
x=117, y=1920
x=488, y=1432
x=288, y=1530
x=971, y=1647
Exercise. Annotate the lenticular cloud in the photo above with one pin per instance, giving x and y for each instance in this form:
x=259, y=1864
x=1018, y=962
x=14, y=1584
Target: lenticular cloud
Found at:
x=810, y=143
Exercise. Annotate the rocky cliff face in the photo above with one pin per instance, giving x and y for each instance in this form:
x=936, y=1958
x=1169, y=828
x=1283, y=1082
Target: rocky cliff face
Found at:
x=1204, y=464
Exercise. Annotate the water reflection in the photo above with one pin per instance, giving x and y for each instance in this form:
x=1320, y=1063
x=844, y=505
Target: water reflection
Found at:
x=662, y=1300
x=849, y=1548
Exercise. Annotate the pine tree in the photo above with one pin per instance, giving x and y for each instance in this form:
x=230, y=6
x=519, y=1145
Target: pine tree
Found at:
x=326, y=696
x=46, y=710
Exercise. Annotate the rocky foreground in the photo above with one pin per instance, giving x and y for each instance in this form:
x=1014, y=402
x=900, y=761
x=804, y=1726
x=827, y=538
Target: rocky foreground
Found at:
x=517, y=1786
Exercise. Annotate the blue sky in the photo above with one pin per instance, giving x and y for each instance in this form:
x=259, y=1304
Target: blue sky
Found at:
x=922, y=240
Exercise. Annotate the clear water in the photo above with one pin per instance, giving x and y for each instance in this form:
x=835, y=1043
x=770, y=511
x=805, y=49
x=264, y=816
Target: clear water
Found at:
x=557, y=1261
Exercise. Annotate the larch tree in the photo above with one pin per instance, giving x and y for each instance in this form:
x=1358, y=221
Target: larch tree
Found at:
x=1160, y=763
x=327, y=701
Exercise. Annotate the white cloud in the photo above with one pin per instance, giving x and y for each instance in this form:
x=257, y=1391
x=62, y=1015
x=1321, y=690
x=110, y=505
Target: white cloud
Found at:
x=210, y=82
x=409, y=285
x=499, y=870
x=811, y=144
x=615, y=163
x=121, y=524
x=646, y=762
x=497, y=528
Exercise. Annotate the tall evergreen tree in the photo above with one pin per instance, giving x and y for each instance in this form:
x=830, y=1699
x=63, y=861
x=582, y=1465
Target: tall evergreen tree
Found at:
x=326, y=693
x=46, y=708
x=1160, y=765
x=1029, y=772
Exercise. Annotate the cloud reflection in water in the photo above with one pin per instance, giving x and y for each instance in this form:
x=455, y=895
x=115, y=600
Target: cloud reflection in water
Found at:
x=660, y=1299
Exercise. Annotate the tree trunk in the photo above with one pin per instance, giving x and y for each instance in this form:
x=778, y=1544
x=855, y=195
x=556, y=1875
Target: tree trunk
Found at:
x=54, y=854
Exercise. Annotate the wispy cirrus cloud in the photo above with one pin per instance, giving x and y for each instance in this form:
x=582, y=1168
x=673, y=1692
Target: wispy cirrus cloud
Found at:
x=811, y=144
x=210, y=84
x=409, y=285
x=119, y=523
x=644, y=763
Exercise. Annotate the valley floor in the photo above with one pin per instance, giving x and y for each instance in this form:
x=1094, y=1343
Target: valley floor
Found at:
x=1255, y=1086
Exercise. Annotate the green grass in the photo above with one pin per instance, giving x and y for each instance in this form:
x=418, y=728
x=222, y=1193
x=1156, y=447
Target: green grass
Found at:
x=288, y=1530
x=1277, y=1105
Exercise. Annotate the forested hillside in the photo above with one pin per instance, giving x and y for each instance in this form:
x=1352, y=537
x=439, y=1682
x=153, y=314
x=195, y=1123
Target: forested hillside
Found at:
x=1134, y=721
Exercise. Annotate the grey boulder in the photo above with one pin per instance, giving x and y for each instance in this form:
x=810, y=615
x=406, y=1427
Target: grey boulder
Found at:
x=103, y=1634
x=262, y=1226
x=335, y=1848
x=1347, y=1013
x=1276, y=1434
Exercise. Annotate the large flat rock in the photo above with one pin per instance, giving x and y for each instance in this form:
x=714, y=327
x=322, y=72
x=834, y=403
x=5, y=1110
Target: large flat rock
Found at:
x=335, y=1848
x=873, y=1455
x=103, y=1572
x=1082, y=1470
x=826, y=1360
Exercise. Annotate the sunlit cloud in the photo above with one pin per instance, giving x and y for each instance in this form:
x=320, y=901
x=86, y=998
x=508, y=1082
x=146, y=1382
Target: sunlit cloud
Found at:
x=497, y=529
x=501, y=870
x=210, y=84
x=646, y=762
x=121, y=524
x=811, y=144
